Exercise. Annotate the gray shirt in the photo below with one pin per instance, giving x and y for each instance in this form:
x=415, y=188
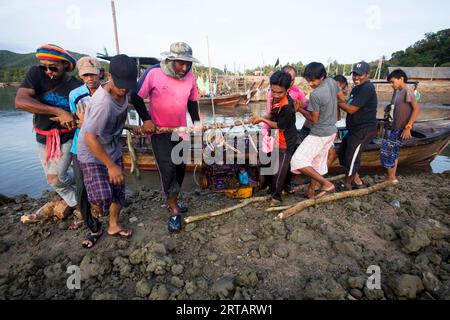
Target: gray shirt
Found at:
x=403, y=107
x=106, y=119
x=324, y=100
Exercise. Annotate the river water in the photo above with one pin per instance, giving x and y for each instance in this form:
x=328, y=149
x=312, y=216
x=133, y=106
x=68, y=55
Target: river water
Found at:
x=21, y=171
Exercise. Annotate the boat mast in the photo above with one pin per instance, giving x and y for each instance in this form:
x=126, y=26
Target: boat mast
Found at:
x=134, y=168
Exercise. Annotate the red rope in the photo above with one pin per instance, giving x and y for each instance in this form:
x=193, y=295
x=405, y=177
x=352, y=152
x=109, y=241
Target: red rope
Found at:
x=53, y=143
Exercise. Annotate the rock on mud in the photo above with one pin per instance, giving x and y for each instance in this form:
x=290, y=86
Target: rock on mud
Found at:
x=412, y=240
x=325, y=288
x=223, y=288
x=407, y=286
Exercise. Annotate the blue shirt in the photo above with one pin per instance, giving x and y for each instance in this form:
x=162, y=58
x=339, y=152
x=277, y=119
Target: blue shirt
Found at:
x=78, y=96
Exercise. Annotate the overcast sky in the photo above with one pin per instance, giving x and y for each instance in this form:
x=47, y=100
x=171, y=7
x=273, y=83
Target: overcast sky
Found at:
x=241, y=33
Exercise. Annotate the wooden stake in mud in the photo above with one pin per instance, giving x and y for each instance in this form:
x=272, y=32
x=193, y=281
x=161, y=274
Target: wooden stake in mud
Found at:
x=332, y=197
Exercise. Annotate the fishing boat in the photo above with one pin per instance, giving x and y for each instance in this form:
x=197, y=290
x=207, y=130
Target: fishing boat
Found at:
x=231, y=100
x=429, y=139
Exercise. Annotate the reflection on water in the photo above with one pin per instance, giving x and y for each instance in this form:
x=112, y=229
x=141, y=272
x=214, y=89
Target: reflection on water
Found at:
x=21, y=171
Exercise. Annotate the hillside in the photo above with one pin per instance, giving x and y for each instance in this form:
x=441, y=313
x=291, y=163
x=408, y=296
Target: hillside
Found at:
x=13, y=66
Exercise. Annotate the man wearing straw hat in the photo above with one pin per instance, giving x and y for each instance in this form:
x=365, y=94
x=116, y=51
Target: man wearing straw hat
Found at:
x=45, y=93
x=172, y=90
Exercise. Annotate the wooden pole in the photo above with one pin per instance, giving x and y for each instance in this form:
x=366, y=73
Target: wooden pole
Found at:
x=332, y=197
x=225, y=211
x=134, y=167
x=432, y=73
x=241, y=205
x=210, y=81
x=113, y=7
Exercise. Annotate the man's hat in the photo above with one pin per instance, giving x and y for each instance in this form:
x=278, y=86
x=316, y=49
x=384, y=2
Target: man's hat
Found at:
x=88, y=65
x=54, y=53
x=361, y=68
x=123, y=70
x=180, y=51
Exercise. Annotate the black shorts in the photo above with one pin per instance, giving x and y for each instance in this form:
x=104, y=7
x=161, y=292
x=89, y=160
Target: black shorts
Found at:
x=352, y=147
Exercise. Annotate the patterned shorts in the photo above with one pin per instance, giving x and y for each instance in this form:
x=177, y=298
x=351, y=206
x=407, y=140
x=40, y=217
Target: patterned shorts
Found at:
x=390, y=149
x=100, y=191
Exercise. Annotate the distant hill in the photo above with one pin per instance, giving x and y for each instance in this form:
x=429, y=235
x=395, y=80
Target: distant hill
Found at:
x=13, y=66
x=433, y=49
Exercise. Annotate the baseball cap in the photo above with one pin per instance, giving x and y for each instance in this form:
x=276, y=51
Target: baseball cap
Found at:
x=88, y=65
x=123, y=70
x=361, y=68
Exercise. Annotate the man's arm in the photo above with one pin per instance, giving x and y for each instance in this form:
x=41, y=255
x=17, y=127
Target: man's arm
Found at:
x=193, y=111
x=315, y=117
x=350, y=109
x=114, y=171
x=416, y=110
x=140, y=107
x=306, y=114
x=139, y=104
x=26, y=101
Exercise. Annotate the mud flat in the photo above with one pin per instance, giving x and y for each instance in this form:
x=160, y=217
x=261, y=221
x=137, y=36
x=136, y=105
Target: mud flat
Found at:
x=321, y=253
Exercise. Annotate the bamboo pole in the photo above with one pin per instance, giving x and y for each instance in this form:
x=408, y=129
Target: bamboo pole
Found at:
x=241, y=205
x=225, y=210
x=332, y=197
x=432, y=73
x=210, y=81
x=113, y=8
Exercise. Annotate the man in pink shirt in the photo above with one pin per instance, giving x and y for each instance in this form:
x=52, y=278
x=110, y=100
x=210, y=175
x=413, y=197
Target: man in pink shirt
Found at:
x=172, y=90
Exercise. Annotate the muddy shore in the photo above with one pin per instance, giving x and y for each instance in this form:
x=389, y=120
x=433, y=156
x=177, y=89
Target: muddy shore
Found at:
x=321, y=253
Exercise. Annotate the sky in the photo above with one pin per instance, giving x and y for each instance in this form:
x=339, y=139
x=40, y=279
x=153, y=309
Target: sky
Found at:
x=240, y=33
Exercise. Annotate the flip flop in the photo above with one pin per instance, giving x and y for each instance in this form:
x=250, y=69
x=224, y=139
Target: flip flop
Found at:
x=340, y=186
x=123, y=233
x=93, y=238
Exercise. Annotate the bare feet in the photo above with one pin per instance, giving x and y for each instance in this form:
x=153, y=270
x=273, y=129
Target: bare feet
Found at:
x=358, y=180
x=77, y=219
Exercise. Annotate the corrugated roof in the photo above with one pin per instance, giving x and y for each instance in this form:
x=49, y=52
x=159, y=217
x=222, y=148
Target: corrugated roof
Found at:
x=439, y=73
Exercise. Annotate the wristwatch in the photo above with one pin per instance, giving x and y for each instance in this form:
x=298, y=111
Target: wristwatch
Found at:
x=408, y=127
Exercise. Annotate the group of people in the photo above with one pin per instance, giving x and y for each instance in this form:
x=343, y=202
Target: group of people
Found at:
x=311, y=151
x=79, y=123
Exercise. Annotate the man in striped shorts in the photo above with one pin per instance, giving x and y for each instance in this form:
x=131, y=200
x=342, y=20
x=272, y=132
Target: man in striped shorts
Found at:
x=99, y=149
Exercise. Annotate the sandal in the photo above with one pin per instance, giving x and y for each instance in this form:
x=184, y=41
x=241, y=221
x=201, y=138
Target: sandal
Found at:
x=92, y=238
x=123, y=233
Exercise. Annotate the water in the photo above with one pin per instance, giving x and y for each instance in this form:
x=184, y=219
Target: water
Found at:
x=21, y=171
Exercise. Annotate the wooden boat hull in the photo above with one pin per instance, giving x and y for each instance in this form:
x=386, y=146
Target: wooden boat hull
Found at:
x=430, y=139
x=223, y=101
